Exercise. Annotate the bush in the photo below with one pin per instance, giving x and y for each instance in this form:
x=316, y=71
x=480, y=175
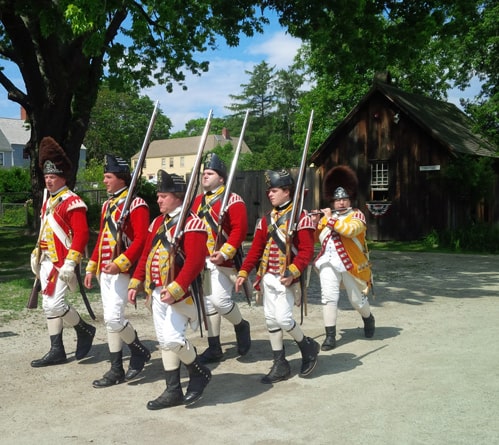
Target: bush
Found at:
x=482, y=238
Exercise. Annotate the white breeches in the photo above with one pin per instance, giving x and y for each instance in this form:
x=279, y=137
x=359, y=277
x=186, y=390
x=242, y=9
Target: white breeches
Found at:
x=114, y=294
x=53, y=305
x=222, y=282
x=331, y=280
x=278, y=302
x=171, y=321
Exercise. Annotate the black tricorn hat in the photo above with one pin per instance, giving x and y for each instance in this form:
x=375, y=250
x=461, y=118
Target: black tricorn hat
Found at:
x=115, y=164
x=280, y=179
x=213, y=162
x=340, y=177
x=52, y=159
x=170, y=183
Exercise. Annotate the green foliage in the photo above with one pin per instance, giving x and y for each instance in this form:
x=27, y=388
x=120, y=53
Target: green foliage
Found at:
x=482, y=238
x=119, y=122
x=470, y=178
x=14, y=184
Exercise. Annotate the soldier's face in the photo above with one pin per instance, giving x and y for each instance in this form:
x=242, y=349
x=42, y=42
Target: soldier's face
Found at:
x=112, y=182
x=278, y=196
x=168, y=202
x=54, y=182
x=211, y=180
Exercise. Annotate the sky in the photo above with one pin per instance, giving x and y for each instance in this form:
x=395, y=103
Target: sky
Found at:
x=211, y=90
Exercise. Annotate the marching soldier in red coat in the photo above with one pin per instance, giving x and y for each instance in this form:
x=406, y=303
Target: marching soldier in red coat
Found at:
x=279, y=281
x=220, y=261
x=113, y=264
x=167, y=271
x=61, y=243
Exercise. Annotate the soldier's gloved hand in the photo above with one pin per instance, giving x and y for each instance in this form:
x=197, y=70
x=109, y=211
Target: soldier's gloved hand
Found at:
x=35, y=265
x=67, y=271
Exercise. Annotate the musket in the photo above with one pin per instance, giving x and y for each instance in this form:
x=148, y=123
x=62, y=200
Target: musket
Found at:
x=132, y=188
x=296, y=210
x=223, y=209
x=37, y=285
x=184, y=212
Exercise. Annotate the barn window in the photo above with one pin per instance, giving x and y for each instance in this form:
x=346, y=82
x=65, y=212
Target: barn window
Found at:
x=379, y=180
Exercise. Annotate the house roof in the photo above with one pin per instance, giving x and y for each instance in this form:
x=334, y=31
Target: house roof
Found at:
x=188, y=146
x=14, y=131
x=443, y=120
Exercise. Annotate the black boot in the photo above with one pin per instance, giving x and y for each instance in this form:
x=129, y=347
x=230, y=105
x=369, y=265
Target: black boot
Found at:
x=140, y=356
x=309, y=350
x=280, y=369
x=369, y=326
x=199, y=377
x=115, y=375
x=330, y=340
x=172, y=395
x=56, y=354
x=85, y=334
x=243, y=337
x=213, y=354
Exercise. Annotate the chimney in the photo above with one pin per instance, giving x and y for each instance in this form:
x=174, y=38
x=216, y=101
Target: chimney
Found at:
x=225, y=134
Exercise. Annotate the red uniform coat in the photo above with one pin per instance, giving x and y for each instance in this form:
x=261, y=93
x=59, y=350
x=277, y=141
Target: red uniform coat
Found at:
x=264, y=249
x=154, y=264
x=234, y=225
x=69, y=214
x=134, y=234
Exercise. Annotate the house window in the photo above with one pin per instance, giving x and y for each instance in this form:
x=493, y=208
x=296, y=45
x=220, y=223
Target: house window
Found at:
x=1, y=160
x=171, y=162
x=379, y=180
x=163, y=162
x=182, y=161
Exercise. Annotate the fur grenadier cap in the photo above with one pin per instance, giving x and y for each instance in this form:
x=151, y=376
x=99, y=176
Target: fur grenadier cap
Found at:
x=52, y=159
x=279, y=179
x=213, y=162
x=115, y=164
x=170, y=183
x=340, y=182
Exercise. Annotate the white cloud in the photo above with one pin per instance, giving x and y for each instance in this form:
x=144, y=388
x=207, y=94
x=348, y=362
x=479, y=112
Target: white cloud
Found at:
x=279, y=50
x=227, y=73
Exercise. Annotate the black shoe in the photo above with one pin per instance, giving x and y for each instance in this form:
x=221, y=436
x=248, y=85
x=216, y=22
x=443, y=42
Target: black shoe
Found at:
x=309, y=350
x=281, y=370
x=369, y=326
x=110, y=378
x=330, y=340
x=53, y=357
x=214, y=352
x=243, y=337
x=166, y=400
x=85, y=334
x=199, y=377
x=140, y=356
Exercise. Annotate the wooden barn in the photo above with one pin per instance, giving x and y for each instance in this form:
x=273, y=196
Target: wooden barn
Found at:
x=400, y=145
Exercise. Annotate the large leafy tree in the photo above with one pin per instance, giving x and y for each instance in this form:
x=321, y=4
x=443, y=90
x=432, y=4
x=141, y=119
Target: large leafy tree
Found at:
x=428, y=46
x=63, y=49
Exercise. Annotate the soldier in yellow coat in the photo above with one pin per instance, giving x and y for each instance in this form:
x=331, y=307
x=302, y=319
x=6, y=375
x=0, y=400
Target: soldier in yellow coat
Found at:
x=343, y=258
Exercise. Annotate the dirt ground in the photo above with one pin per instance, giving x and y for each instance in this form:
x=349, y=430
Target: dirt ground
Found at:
x=430, y=375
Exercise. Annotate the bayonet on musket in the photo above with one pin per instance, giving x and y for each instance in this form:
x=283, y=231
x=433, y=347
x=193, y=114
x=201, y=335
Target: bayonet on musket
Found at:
x=238, y=259
x=132, y=188
x=298, y=200
x=190, y=192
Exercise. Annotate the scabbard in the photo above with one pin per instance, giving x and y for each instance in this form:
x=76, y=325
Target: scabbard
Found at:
x=84, y=293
